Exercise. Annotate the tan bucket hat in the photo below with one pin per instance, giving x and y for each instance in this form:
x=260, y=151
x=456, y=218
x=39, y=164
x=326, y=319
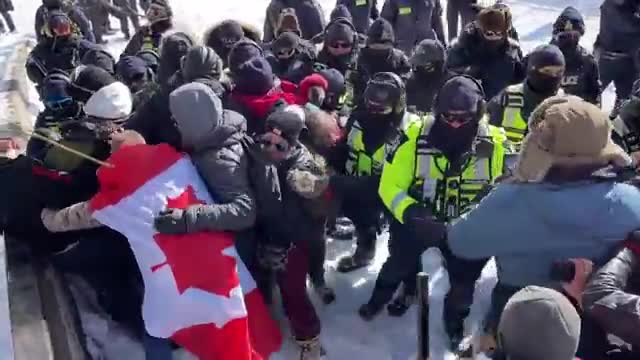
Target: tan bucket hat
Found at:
x=570, y=132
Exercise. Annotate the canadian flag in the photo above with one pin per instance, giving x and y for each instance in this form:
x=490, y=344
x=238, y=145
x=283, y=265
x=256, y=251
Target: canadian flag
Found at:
x=197, y=290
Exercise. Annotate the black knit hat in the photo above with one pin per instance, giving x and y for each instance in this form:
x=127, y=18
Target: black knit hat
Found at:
x=241, y=52
x=335, y=79
x=88, y=79
x=341, y=11
x=428, y=51
x=340, y=29
x=381, y=32
x=285, y=41
x=254, y=77
x=570, y=19
x=101, y=59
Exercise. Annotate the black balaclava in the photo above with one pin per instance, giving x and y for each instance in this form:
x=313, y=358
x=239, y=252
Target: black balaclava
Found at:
x=428, y=60
x=458, y=94
x=380, y=32
x=568, y=29
x=384, y=100
x=542, y=57
x=337, y=86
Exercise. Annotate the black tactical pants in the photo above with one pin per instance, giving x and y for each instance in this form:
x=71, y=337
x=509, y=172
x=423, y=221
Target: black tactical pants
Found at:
x=456, y=9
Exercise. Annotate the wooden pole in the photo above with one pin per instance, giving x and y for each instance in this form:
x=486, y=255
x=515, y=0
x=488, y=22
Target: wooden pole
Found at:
x=46, y=139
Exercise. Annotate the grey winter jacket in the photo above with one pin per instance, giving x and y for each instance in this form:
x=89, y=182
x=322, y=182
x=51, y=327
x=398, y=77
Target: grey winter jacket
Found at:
x=309, y=13
x=414, y=21
x=213, y=138
x=612, y=297
x=362, y=12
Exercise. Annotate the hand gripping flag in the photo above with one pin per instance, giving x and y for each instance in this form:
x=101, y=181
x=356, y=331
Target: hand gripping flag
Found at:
x=197, y=290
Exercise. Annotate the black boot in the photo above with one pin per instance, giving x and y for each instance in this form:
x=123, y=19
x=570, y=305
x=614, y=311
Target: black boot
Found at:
x=359, y=259
x=369, y=310
x=401, y=304
x=326, y=294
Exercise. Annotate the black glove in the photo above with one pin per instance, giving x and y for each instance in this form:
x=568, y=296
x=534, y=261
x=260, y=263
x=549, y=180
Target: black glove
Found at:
x=424, y=225
x=171, y=221
x=273, y=257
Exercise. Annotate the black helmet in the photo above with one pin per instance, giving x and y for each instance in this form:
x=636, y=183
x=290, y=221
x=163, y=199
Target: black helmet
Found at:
x=385, y=94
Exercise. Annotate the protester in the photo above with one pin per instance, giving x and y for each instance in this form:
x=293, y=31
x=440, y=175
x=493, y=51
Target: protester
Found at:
x=58, y=50
x=340, y=47
x=485, y=51
x=291, y=57
x=222, y=36
x=303, y=181
x=101, y=59
x=81, y=25
x=566, y=162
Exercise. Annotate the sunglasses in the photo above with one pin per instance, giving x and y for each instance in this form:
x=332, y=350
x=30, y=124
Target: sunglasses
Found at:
x=341, y=45
x=457, y=120
x=279, y=146
x=379, y=109
x=565, y=35
x=58, y=104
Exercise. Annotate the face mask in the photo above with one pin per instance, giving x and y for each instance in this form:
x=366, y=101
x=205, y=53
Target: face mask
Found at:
x=429, y=70
x=567, y=40
x=543, y=84
x=377, y=52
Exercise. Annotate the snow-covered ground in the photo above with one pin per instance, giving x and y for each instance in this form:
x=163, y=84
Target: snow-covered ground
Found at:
x=345, y=336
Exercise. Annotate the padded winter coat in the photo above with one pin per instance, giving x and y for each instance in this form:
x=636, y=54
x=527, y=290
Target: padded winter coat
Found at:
x=619, y=27
x=362, y=12
x=221, y=161
x=612, y=296
x=497, y=68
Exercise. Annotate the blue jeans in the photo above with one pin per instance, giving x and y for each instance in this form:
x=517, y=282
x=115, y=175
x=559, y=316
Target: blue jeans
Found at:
x=156, y=348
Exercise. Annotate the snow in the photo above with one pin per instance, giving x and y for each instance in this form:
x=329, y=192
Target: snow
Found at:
x=344, y=334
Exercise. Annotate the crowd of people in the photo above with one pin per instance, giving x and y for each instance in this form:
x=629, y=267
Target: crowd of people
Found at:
x=371, y=121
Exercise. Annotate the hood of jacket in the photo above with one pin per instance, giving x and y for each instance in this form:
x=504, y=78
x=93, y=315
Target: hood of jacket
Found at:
x=101, y=59
x=201, y=120
x=173, y=48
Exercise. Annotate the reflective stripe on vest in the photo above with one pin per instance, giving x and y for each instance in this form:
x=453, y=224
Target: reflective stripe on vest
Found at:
x=449, y=197
x=359, y=162
x=513, y=122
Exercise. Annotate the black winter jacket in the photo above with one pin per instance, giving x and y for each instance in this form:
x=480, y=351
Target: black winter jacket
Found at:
x=368, y=65
x=414, y=21
x=581, y=77
x=619, y=26
x=76, y=15
x=362, y=12
x=612, y=296
x=421, y=91
x=289, y=212
x=496, y=67
x=51, y=54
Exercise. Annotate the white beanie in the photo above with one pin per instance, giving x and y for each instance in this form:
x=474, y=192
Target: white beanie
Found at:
x=111, y=102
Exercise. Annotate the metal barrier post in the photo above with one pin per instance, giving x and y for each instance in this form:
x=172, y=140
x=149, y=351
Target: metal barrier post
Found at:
x=423, y=316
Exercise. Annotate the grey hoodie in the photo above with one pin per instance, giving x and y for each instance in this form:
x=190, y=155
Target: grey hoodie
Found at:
x=213, y=138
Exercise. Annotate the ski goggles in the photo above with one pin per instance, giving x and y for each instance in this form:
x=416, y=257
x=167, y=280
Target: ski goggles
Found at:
x=554, y=71
x=340, y=45
x=57, y=28
x=426, y=67
x=58, y=104
x=457, y=119
x=156, y=13
x=378, y=108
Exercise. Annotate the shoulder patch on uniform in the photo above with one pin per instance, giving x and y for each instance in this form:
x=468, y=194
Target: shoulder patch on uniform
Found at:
x=394, y=145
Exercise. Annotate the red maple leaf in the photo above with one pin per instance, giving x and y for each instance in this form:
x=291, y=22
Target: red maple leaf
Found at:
x=196, y=260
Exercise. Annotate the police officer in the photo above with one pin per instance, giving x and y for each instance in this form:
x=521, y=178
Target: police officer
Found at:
x=438, y=168
x=375, y=126
x=427, y=75
x=363, y=12
x=414, y=21
x=581, y=77
x=511, y=108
